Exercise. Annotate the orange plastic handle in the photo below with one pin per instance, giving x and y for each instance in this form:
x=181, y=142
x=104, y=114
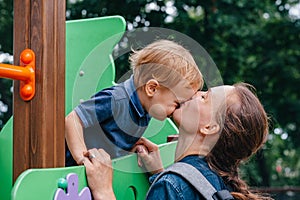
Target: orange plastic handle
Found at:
x=25, y=73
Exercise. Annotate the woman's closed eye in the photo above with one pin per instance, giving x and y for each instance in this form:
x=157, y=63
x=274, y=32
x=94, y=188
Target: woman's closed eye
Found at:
x=205, y=95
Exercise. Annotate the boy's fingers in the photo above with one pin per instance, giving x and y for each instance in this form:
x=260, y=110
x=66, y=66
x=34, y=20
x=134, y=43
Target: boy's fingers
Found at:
x=141, y=150
x=140, y=141
x=148, y=144
x=143, y=141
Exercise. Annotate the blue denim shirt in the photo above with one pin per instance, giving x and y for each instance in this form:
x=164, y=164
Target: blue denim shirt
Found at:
x=172, y=186
x=113, y=119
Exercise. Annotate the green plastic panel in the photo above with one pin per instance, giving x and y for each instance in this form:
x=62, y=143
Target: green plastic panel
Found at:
x=129, y=181
x=158, y=131
x=6, y=160
x=89, y=44
x=89, y=63
x=42, y=183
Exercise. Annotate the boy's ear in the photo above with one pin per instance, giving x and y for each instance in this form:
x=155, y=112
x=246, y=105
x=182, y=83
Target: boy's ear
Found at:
x=210, y=129
x=151, y=87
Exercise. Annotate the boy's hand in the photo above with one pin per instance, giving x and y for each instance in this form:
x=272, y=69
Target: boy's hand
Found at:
x=149, y=156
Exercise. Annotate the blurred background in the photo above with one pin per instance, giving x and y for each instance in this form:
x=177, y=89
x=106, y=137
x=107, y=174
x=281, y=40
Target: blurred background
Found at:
x=256, y=41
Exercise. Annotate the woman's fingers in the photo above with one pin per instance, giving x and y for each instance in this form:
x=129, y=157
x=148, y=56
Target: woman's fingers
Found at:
x=99, y=173
x=98, y=156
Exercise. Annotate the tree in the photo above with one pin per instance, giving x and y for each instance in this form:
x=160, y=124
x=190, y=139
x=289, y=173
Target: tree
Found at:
x=243, y=39
x=6, y=26
x=252, y=41
x=6, y=35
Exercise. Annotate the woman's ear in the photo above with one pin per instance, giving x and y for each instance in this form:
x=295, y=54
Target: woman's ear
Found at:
x=151, y=87
x=210, y=129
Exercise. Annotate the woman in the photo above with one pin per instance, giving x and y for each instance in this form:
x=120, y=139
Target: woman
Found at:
x=218, y=129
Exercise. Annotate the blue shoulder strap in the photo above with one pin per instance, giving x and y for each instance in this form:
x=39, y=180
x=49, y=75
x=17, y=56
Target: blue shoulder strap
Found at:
x=196, y=178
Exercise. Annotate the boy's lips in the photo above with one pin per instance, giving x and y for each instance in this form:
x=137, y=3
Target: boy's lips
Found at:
x=183, y=105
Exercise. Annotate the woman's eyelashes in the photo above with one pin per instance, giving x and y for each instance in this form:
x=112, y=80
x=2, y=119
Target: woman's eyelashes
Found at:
x=205, y=95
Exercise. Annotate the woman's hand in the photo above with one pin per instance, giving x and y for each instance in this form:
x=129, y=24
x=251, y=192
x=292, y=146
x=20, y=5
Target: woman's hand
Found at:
x=99, y=174
x=149, y=156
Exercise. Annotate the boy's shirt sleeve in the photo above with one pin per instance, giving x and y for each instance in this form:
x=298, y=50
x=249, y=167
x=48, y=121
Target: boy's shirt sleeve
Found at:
x=95, y=110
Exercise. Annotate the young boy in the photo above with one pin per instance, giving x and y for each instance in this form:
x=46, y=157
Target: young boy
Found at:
x=164, y=75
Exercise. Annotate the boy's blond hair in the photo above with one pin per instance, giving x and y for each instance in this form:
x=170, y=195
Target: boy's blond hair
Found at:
x=167, y=62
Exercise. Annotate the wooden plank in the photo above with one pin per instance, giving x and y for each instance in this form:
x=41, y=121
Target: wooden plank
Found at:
x=21, y=41
x=39, y=124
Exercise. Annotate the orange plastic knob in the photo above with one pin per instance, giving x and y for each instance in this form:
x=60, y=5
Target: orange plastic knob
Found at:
x=26, y=56
x=26, y=91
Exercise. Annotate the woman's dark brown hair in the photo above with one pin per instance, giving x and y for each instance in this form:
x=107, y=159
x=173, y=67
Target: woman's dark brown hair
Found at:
x=244, y=131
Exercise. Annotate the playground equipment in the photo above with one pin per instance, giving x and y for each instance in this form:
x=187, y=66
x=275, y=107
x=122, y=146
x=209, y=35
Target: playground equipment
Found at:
x=25, y=73
x=89, y=68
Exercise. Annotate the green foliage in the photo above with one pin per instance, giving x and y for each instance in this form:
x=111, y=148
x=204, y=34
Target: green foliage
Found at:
x=251, y=41
x=6, y=45
x=5, y=101
x=283, y=159
x=6, y=26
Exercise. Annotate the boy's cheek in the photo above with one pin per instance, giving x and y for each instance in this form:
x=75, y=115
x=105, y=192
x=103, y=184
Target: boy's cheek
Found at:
x=158, y=111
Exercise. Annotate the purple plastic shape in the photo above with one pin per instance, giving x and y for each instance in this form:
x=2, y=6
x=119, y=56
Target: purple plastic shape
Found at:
x=72, y=190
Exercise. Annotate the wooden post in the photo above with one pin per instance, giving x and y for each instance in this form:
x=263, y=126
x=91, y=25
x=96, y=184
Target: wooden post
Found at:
x=39, y=123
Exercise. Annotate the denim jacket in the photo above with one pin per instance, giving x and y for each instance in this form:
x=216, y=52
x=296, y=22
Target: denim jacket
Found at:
x=172, y=186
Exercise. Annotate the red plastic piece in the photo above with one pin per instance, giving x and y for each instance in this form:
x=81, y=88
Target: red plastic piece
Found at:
x=25, y=73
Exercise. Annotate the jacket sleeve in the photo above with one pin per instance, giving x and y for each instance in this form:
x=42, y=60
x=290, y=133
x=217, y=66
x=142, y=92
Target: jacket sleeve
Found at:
x=164, y=189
